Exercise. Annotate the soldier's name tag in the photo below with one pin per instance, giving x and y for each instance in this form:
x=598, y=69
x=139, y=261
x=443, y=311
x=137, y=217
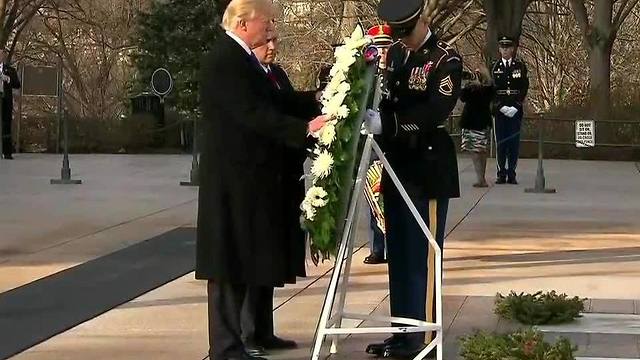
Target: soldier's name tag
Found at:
x=517, y=74
x=499, y=71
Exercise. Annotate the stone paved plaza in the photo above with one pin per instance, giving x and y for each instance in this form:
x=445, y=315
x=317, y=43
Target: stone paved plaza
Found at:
x=131, y=215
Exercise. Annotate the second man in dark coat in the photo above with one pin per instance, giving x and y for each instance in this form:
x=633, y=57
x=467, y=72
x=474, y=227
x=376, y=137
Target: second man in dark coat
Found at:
x=257, y=313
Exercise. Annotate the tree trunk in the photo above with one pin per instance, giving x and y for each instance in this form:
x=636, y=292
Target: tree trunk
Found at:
x=601, y=39
x=600, y=85
x=504, y=18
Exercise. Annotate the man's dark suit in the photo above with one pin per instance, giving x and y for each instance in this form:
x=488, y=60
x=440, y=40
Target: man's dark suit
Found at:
x=257, y=316
x=241, y=236
x=7, y=107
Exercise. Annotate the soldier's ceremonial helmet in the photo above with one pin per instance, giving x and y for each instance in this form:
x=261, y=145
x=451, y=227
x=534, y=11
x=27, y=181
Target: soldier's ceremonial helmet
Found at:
x=401, y=15
x=380, y=34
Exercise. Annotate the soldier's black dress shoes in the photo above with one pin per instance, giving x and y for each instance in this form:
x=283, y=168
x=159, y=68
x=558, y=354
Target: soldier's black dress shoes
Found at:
x=512, y=181
x=397, y=348
x=379, y=348
x=501, y=180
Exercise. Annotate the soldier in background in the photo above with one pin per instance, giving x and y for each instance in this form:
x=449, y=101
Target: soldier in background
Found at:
x=424, y=77
x=512, y=84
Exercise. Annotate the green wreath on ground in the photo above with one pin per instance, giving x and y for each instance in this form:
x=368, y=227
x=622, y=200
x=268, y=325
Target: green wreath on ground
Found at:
x=522, y=345
x=539, y=308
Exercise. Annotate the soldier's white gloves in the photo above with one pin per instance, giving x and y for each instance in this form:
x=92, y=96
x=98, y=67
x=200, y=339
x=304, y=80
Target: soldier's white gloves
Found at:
x=372, y=122
x=509, y=111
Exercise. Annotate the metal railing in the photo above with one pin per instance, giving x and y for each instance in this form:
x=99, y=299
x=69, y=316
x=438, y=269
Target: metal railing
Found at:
x=559, y=137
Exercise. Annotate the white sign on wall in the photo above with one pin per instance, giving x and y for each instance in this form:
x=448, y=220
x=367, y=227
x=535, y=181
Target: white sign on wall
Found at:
x=585, y=133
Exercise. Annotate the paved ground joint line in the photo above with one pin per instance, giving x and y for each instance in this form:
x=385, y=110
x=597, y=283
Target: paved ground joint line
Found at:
x=129, y=221
x=473, y=207
x=318, y=278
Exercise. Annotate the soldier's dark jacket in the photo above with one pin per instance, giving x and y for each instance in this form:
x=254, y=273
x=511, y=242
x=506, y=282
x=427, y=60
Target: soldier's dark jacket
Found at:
x=512, y=83
x=424, y=86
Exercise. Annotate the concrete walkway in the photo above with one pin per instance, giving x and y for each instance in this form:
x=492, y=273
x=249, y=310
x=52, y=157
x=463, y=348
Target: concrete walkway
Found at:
x=585, y=241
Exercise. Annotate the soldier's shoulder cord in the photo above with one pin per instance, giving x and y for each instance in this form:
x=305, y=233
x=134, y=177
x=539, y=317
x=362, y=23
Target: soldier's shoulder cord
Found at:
x=448, y=53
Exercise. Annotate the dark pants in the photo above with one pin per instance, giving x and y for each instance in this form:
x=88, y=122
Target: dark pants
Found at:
x=376, y=243
x=7, y=141
x=508, y=143
x=411, y=264
x=257, y=315
x=225, y=306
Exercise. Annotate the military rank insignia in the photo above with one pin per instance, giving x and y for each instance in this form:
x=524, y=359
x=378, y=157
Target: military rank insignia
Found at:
x=446, y=86
x=418, y=78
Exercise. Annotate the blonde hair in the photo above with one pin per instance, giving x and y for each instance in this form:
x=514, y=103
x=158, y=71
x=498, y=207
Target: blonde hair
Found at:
x=239, y=10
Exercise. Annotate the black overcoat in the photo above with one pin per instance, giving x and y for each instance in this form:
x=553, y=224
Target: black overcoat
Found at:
x=294, y=170
x=247, y=131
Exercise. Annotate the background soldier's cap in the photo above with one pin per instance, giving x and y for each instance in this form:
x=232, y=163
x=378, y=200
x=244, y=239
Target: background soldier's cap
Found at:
x=505, y=41
x=401, y=15
x=380, y=34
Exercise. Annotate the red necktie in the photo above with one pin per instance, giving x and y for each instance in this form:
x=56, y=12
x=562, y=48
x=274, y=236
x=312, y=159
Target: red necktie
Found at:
x=273, y=79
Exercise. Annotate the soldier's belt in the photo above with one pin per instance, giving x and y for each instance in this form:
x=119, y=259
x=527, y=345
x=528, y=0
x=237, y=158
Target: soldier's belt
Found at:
x=508, y=92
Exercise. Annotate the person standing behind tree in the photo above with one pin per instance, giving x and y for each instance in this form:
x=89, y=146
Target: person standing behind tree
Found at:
x=476, y=120
x=10, y=81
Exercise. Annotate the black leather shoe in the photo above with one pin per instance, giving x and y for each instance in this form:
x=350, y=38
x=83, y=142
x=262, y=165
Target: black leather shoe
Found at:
x=246, y=357
x=255, y=350
x=404, y=351
x=7, y=157
x=239, y=357
x=277, y=343
x=501, y=181
x=512, y=181
x=378, y=348
x=375, y=259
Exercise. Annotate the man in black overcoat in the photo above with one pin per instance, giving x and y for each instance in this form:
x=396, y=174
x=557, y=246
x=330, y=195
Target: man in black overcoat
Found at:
x=10, y=80
x=257, y=313
x=241, y=237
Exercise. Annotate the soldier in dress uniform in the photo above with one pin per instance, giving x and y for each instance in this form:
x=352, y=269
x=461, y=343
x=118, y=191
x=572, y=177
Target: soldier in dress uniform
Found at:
x=424, y=78
x=512, y=84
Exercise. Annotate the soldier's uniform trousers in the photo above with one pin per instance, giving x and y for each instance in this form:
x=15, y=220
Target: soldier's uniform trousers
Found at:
x=411, y=263
x=508, y=143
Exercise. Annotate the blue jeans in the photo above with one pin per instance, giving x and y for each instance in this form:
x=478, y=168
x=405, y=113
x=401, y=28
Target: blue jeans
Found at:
x=376, y=240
